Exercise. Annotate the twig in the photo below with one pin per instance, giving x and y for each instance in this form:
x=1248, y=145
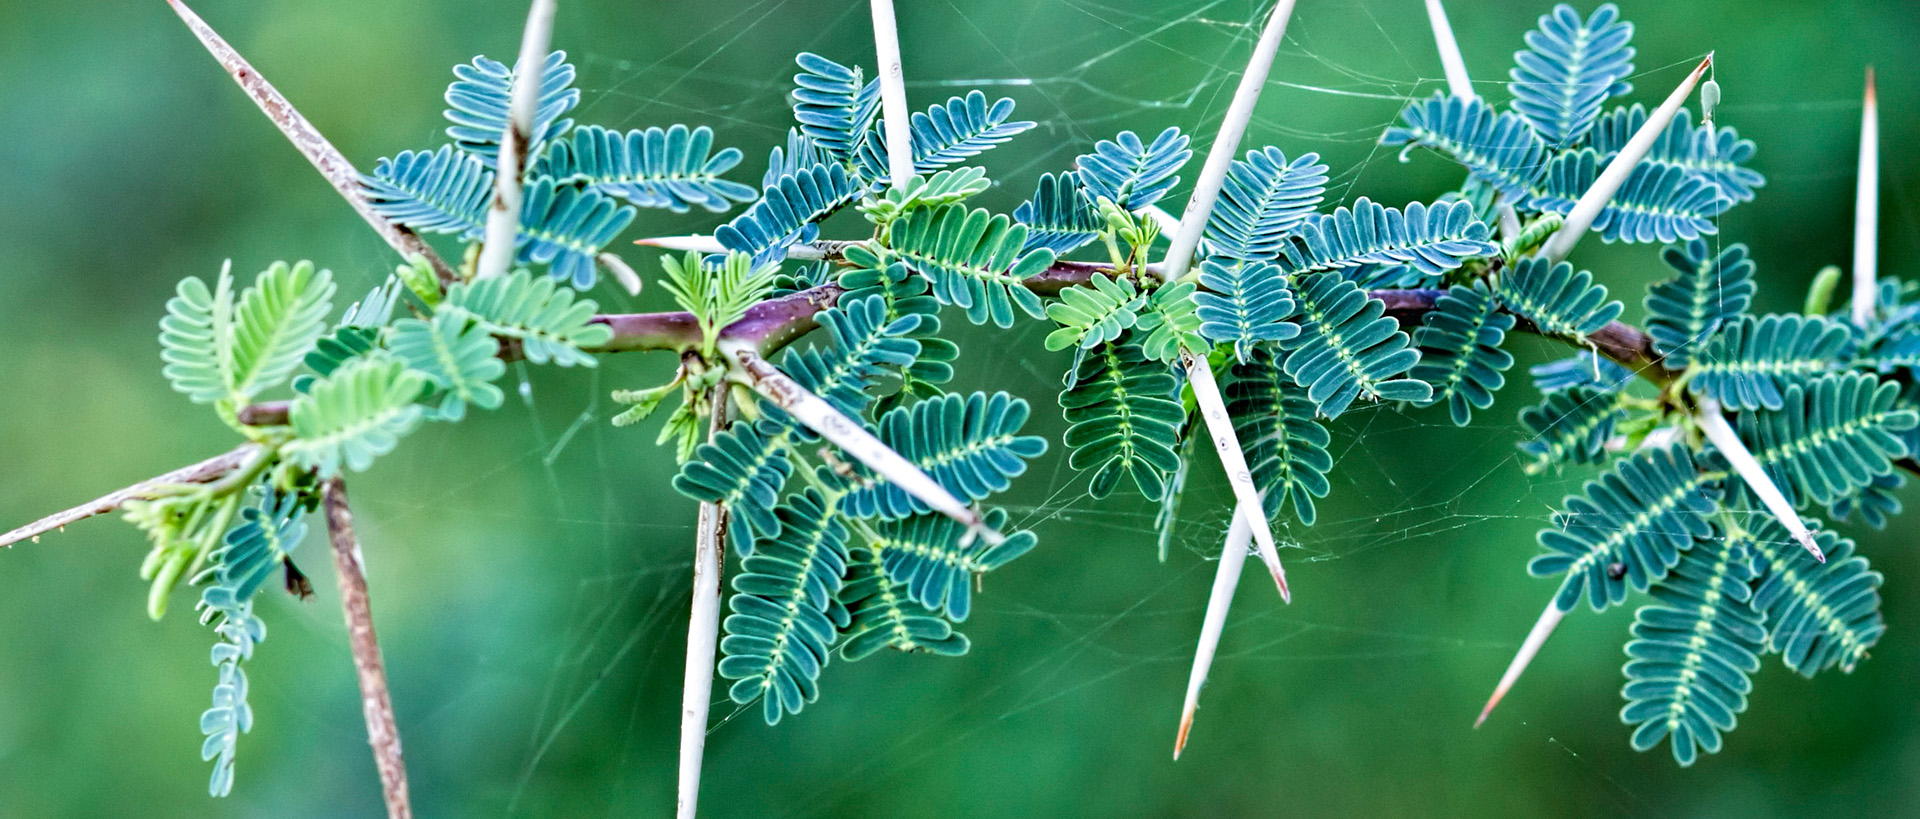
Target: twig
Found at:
x=325, y=158
x=1225, y=143
x=375, y=703
x=1449, y=48
x=844, y=432
x=1588, y=208
x=1866, y=210
x=1226, y=578
x=893, y=93
x=1542, y=629
x=703, y=633
x=503, y=217
x=207, y=471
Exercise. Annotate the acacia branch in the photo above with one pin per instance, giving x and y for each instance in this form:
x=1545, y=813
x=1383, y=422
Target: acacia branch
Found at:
x=325, y=158
x=375, y=702
x=204, y=472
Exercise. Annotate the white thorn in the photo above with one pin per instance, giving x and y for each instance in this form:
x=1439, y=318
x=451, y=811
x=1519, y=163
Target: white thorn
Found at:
x=1206, y=393
x=1226, y=578
x=804, y=251
x=1225, y=144
x=893, y=93
x=821, y=417
x=1866, y=210
x=1542, y=629
x=1449, y=49
x=622, y=272
x=503, y=216
x=1608, y=183
x=1724, y=439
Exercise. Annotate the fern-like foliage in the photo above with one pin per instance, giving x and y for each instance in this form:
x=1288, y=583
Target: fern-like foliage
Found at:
x=1659, y=202
x=266, y=535
x=1831, y=437
x=1431, y=239
x=483, y=92
x=1499, y=149
x=1709, y=290
x=1876, y=504
x=787, y=212
x=1693, y=651
x=1092, y=316
x=1570, y=426
x=1060, y=217
x=905, y=294
x=1245, y=303
x=971, y=445
x=885, y=616
x=1171, y=322
x=1265, y=198
x=1131, y=173
x=866, y=346
x=1751, y=361
x=561, y=224
x=443, y=191
x=1819, y=615
x=835, y=107
x=1717, y=154
x=674, y=168
x=975, y=261
x=932, y=558
x=779, y=633
x=230, y=715
x=546, y=319
x=1285, y=447
x=946, y=134
x=1582, y=370
x=1349, y=348
x=358, y=413
x=566, y=226
x=1570, y=68
x=1460, y=355
x=457, y=355
x=1124, y=417
x=743, y=469
x=1627, y=529
x=219, y=348
x=1558, y=300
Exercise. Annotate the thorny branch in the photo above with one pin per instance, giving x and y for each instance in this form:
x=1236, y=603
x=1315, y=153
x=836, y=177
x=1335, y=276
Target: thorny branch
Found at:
x=382, y=731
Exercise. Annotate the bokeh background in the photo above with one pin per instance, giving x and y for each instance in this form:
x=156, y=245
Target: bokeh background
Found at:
x=530, y=567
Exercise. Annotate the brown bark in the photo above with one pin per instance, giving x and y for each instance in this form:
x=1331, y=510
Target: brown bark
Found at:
x=382, y=731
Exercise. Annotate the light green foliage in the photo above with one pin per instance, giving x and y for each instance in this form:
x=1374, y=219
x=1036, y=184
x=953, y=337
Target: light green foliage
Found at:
x=218, y=348
x=358, y=413
x=1092, y=316
x=457, y=356
x=719, y=294
x=551, y=325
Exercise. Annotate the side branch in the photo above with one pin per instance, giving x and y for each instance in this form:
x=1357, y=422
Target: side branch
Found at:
x=207, y=471
x=382, y=731
x=325, y=158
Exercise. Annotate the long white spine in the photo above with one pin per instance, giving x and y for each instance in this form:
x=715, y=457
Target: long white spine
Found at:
x=503, y=217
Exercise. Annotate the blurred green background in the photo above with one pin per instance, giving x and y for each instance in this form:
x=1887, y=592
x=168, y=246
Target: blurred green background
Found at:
x=529, y=568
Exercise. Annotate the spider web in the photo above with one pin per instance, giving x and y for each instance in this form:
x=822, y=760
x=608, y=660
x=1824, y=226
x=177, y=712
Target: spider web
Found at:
x=1423, y=516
